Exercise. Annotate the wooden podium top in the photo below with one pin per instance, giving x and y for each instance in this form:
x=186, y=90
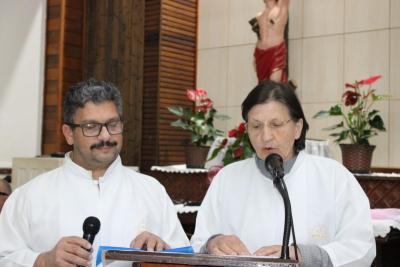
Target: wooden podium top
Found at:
x=172, y=259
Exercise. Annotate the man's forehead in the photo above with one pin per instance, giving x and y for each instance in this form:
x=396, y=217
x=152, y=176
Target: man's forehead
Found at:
x=91, y=111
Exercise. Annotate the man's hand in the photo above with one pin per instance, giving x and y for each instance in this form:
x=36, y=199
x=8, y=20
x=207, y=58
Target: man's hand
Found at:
x=149, y=242
x=68, y=252
x=275, y=251
x=227, y=245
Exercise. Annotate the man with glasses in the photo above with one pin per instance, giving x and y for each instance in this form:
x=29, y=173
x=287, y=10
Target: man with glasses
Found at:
x=42, y=221
x=5, y=191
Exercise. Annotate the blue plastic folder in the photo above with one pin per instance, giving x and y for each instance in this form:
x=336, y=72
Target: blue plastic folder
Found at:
x=188, y=250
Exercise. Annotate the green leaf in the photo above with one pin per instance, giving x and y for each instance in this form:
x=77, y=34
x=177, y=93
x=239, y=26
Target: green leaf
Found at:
x=333, y=127
x=321, y=113
x=377, y=123
x=247, y=152
x=222, y=117
x=341, y=136
x=372, y=113
x=182, y=124
x=176, y=110
x=335, y=111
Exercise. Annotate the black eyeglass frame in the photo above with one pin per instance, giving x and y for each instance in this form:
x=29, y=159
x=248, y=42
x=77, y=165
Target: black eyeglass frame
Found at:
x=106, y=124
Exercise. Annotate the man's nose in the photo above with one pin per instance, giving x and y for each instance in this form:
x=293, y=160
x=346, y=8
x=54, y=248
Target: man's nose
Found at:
x=104, y=134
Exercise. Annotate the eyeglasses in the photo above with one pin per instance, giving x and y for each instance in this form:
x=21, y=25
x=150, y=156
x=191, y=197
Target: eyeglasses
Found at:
x=4, y=194
x=258, y=127
x=92, y=129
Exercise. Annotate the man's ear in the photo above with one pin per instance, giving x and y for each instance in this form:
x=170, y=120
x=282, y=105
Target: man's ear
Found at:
x=68, y=134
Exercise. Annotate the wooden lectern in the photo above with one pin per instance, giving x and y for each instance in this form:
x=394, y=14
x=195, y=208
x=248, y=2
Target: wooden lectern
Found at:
x=152, y=259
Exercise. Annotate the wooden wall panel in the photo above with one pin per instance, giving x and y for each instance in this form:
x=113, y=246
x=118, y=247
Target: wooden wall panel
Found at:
x=169, y=69
x=65, y=22
x=114, y=52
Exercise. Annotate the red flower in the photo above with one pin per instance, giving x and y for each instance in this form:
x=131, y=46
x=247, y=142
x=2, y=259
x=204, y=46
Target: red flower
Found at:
x=223, y=143
x=238, y=152
x=233, y=133
x=370, y=80
x=242, y=127
x=350, y=98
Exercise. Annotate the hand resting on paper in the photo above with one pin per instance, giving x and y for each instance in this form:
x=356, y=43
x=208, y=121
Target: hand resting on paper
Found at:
x=150, y=242
x=227, y=245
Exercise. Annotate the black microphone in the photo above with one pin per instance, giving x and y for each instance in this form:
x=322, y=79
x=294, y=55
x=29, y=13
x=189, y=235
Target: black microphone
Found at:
x=91, y=227
x=274, y=165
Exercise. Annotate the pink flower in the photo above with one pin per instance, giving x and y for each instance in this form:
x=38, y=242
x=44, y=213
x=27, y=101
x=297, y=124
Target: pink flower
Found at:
x=201, y=92
x=350, y=98
x=370, y=80
x=191, y=95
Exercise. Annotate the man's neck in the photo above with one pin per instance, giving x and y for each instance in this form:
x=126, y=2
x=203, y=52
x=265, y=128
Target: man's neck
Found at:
x=97, y=171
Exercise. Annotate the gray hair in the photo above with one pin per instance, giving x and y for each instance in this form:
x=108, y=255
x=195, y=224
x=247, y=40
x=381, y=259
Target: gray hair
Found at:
x=90, y=91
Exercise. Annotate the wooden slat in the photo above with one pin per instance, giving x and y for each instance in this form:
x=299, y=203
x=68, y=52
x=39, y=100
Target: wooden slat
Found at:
x=169, y=71
x=61, y=70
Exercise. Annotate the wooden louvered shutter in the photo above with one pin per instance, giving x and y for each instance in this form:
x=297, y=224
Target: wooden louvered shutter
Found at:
x=169, y=69
x=65, y=22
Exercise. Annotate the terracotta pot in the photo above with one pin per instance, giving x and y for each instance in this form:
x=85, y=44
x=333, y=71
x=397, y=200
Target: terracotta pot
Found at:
x=196, y=156
x=357, y=158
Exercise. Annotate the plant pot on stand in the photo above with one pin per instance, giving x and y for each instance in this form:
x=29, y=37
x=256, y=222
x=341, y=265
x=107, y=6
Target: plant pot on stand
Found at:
x=357, y=158
x=196, y=156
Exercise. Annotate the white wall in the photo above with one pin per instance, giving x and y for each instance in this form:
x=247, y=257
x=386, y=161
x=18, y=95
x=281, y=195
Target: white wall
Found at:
x=330, y=43
x=22, y=46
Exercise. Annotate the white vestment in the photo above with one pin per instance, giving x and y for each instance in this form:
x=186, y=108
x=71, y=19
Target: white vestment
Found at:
x=329, y=207
x=55, y=204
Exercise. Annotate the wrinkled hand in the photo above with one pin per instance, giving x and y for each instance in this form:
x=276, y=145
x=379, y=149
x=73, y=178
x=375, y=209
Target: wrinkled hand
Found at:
x=275, y=251
x=227, y=245
x=149, y=242
x=272, y=21
x=68, y=252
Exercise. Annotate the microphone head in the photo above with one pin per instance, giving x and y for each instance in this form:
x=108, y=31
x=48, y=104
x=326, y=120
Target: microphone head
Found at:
x=91, y=226
x=274, y=165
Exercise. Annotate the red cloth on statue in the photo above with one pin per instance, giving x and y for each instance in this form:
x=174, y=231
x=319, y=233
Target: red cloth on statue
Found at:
x=270, y=60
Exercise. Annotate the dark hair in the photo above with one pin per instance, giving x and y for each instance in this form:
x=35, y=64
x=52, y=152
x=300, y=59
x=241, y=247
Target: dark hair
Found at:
x=90, y=91
x=268, y=91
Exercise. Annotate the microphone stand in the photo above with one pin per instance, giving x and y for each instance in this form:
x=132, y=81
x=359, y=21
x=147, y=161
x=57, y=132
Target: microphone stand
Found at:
x=281, y=186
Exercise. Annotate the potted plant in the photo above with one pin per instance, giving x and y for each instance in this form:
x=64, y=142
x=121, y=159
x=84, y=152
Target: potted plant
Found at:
x=199, y=120
x=359, y=122
x=235, y=147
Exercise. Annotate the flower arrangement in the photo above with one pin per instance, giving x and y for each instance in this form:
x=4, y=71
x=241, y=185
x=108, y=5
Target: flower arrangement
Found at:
x=359, y=121
x=199, y=119
x=237, y=150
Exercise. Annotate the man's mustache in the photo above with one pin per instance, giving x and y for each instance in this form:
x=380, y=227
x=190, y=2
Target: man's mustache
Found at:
x=103, y=144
